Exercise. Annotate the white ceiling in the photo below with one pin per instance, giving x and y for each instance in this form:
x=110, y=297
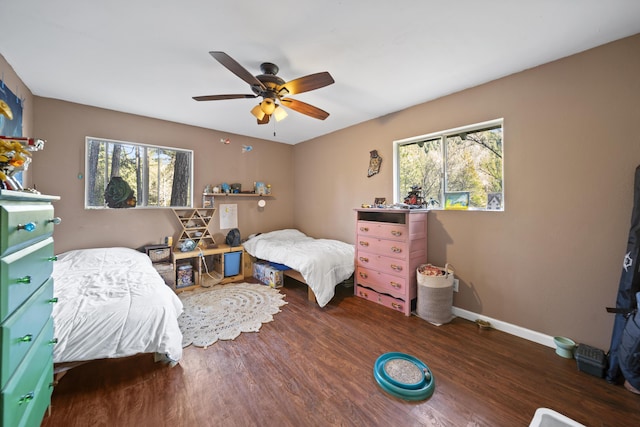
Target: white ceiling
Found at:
x=149, y=57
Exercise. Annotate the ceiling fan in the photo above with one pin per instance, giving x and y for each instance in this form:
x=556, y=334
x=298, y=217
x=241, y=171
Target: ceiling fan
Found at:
x=273, y=90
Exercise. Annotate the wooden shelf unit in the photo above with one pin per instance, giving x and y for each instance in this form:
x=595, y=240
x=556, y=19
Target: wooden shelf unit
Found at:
x=207, y=260
x=195, y=226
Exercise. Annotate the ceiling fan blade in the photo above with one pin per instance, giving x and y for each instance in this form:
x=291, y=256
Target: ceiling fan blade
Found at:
x=264, y=120
x=304, y=108
x=237, y=69
x=307, y=83
x=220, y=97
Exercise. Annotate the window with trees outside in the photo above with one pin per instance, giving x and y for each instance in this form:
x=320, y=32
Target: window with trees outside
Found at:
x=121, y=174
x=458, y=168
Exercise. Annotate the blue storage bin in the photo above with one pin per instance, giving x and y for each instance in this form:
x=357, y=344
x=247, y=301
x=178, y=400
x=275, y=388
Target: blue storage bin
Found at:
x=232, y=263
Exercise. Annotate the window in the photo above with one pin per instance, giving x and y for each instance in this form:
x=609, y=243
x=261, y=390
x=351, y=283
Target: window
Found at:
x=456, y=169
x=125, y=175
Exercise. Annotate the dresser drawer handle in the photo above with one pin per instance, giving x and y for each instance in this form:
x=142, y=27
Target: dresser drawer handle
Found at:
x=396, y=233
x=395, y=285
x=53, y=341
x=365, y=229
x=30, y=226
x=26, y=398
x=25, y=279
x=364, y=243
x=26, y=338
x=52, y=258
x=53, y=300
x=57, y=220
x=363, y=294
x=363, y=275
x=396, y=306
x=396, y=267
x=364, y=259
x=396, y=250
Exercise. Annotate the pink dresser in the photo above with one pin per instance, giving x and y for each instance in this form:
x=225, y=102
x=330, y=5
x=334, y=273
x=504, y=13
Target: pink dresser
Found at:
x=390, y=245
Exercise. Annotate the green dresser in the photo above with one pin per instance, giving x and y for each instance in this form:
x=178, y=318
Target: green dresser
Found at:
x=26, y=298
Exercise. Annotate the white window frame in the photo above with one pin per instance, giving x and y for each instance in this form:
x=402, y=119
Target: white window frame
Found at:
x=398, y=198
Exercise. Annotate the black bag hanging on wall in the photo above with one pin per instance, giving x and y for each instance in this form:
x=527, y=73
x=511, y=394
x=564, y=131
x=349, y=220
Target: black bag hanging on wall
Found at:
x=233, y=237
x=628, y=287
x=629, y=348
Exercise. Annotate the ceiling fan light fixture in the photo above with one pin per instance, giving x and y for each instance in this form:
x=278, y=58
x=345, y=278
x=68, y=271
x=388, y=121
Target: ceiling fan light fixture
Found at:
x=268, y=105
x=279, y=113
x=257, y=112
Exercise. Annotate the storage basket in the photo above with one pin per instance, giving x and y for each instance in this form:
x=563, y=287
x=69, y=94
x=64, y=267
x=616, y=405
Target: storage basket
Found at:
x=159, y=253
x=435, y=294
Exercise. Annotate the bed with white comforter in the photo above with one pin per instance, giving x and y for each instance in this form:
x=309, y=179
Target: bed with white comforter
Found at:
x=323, y=263
x=113, y=303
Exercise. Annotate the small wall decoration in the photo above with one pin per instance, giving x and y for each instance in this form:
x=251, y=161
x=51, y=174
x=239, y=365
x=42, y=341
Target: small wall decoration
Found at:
x=458, y=200
x=10, y=112
x=374, y=163
x=494, y=201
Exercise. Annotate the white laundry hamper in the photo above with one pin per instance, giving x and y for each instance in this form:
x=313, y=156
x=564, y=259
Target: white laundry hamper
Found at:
x=435, y=294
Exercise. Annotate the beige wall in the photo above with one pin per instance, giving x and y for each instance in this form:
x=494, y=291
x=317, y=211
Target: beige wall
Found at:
x=59, y=170
x=552, y=260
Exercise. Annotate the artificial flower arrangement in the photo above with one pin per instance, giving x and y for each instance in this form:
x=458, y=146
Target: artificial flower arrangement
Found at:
x=15, y=156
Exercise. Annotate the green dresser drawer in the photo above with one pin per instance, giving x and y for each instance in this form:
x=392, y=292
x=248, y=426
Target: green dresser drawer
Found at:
x=30, y=388
x=38, y=407
x=19, y=332
x=23, y=224
x=22, y=273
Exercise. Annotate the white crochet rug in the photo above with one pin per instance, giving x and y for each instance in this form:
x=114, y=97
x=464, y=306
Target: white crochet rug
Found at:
x=222, y=312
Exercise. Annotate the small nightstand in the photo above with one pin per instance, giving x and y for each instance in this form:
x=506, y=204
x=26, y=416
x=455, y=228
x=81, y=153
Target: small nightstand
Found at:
x=160, y=256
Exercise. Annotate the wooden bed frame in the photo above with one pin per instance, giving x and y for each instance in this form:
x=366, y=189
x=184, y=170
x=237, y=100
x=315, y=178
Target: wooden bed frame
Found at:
x=295, y=275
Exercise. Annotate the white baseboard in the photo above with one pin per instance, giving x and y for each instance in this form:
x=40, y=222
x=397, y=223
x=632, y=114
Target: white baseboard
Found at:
x=518, y=331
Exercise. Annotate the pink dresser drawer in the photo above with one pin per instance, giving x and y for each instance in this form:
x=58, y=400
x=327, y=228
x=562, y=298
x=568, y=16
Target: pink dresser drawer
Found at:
x=386, y=283
x=383, y=264
x=390, y=248
x=382, y=230
x=386, y=300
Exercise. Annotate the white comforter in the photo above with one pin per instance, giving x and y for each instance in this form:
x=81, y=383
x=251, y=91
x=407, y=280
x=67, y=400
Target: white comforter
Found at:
x=323, y=263
x=113, y=303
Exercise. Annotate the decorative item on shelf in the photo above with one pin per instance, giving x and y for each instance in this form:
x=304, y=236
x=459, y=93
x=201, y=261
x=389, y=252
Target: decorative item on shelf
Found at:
x=379, y=202
x=226, y=188
x=457, y=200
x=236, y=188
x=494, y=201
x=414, y=198
x=260, y=188
x=268, y=189
x=207, y=200
x=432, y=202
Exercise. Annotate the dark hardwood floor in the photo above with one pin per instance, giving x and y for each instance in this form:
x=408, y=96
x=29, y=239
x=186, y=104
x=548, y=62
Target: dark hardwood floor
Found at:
x=314, y=367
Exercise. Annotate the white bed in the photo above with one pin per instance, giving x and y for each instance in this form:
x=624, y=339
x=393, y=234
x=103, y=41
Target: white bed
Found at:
x=113, y=303
x=322, y=263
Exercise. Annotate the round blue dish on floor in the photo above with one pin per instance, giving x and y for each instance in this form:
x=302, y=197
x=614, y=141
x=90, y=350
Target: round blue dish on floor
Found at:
x=404, y=376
